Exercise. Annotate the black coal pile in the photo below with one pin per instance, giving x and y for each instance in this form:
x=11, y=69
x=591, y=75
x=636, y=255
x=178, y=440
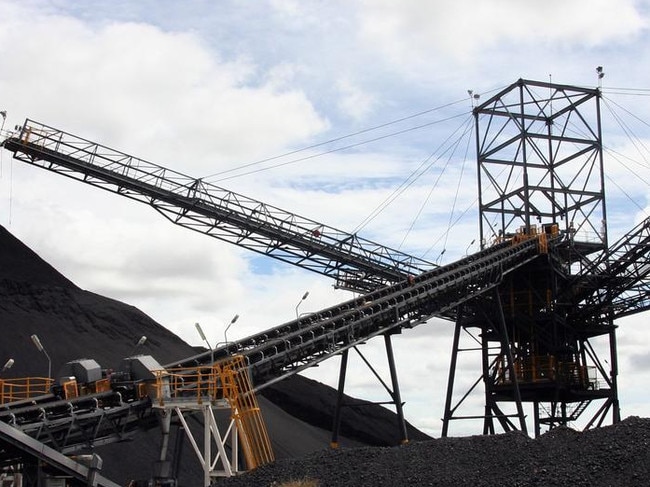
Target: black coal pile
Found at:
x=72, y=323
x=612, y=456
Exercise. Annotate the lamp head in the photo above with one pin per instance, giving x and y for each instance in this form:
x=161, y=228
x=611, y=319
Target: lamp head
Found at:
x=200, y=330
x=37, y=342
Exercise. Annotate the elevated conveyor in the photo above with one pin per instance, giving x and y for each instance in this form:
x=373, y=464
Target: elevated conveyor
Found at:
x=289, y=348
x=296, y=345
x=69, y=425
x=356, y=263
x=618, y=283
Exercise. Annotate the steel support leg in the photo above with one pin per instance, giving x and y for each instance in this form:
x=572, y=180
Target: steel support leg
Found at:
x=505, y=342
x=489, y=409
x=336, y=426
x=450, y=381
x=396, y=394
x=613, y=356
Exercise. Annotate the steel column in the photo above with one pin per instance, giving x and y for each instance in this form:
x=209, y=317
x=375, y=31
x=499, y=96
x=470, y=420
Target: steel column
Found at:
x=450, y=381
x=336, y=426
x=397, y=399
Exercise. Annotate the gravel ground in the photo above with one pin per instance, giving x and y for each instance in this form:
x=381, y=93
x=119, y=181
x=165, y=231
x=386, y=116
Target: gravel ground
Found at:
x=614, y=456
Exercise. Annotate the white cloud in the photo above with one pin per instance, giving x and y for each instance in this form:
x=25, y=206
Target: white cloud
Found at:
x=354, y=103
x=157, y=93
x=457, y=30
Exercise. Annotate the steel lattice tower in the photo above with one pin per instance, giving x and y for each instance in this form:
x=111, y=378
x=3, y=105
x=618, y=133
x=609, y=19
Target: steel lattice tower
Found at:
x=540, y=170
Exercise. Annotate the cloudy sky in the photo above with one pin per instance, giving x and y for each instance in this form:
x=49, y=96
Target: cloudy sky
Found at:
x=231, y=91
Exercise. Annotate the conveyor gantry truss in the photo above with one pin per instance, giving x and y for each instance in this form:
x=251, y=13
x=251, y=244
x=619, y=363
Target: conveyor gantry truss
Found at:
x=356, y=263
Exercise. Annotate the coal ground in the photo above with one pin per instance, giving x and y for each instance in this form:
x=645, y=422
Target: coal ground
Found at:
x=613, y=456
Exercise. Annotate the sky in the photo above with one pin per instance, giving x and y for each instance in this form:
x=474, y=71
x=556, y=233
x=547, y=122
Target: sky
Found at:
x=372, y=90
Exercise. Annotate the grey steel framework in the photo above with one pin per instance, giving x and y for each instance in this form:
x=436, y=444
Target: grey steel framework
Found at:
x=287, y=349
x=539, y=154
x=356, y=263
x=540, y=167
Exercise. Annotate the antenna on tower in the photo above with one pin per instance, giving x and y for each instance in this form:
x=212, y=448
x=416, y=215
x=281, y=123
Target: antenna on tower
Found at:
x=601, y=74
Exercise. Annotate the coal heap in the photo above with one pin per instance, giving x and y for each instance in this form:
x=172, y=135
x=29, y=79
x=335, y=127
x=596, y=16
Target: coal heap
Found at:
x=611, y=456
x=73, y=323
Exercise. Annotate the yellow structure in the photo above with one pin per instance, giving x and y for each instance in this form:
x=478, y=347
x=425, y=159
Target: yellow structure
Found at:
x=22, y=388
x=223, y=385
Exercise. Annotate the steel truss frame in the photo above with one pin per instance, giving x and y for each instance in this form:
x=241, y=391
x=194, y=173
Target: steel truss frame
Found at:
x=356, y=263
x=393, y=392
x=540, y=166
x=80, y=423
x=539, y=154
x=214, y=464
x=619, y=283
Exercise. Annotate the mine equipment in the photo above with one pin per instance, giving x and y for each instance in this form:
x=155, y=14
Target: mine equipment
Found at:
x=543, y=288
x=539, y=152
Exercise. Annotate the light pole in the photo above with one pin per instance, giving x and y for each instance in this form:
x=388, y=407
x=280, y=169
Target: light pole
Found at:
x=225, y=332
x=202, y=335
x=8, y=364
x=40, y=348
x=304, y=296
x=138, y=345
x=470, y=244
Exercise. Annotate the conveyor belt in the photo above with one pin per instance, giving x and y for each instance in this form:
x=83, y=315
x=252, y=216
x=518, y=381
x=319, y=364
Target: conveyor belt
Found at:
x=618, y=283
x=293, y=346
x=86, y=421
x=355, y=262
x=286, y=349
x=16, y=447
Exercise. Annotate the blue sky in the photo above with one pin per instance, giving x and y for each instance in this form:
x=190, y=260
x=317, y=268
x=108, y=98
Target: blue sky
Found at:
x=203, y=87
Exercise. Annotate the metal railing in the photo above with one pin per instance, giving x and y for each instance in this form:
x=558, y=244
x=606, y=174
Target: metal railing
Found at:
x=227, y=380
x=23, y=388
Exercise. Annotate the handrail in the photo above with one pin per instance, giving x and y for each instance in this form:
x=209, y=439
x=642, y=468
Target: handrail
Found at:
x=227, y=380
x=18, y=389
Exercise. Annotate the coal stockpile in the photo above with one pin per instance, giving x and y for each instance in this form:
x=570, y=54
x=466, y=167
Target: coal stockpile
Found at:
x=617, y=455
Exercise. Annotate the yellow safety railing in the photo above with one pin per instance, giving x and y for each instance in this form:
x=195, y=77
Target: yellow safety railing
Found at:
x=23, y=388
x=188, y=383
x=229, y=380
x=546, y=368
x=537, y=368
